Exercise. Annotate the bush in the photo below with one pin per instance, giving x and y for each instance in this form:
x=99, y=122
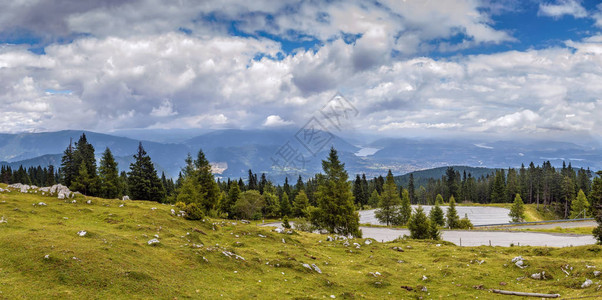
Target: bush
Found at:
x=303, y=225
x=464, y=223
x=193, y=212
x=285, y=222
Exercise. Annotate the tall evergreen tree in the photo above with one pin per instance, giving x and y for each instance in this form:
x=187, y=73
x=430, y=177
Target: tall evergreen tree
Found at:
x=405, y=210
x=285, y=205
x=412, y=189
x=437, y=216
x=209, y=189
x=50, y=178
x=227, y=204
x=517, y=211
x=68, y=168
x=143, y=182
x=419, y=225
x=452, y=214
x=580, y=206
x=300, y=205
x=109, y=175
x=336, y=211
x=389, y=202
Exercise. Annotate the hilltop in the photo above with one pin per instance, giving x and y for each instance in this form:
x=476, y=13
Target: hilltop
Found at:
x=44, y=254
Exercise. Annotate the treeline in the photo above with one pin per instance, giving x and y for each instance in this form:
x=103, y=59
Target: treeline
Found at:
x=38, y=176
x=80, y=173
x=553, y=188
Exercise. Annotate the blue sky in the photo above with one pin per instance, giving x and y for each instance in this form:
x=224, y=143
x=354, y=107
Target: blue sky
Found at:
x=412, y=68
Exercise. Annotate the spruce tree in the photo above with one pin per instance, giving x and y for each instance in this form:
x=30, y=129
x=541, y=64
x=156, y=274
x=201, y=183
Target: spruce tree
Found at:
x=209, y=189
x=437, y=216
x=517, y=211
x=374, y=199
x=189, y=191
x=412, y=189
x=300, y=205
x=109, y=176
x=143, y=182
x=82, y=181
x=285, y=205
x=336, y=212
x=405, y=210
x=419, y=225
x=389, y=202
x=580, y=206
x=68, y=168
x=84, y=154
x=439, y=200
x=452, y=214
x=50, y=178
x=358, y=192
x=227, y=204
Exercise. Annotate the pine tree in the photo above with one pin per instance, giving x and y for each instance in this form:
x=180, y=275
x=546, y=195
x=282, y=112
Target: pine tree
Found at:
x=579, y=206
x=143, y=182
x=285, y=205
x=336, y=211
x=405, y=210
x=300, y=205
x=517, y=211
x=374, y=199
x=50, y=178
x=109, y=176
x=437, y=216
x=68, y=168
x=419, y=225
x=412, y=189
x=389, y=200
x=227, y=205
x=84, y=154
x=439, y=200
x=189, y=191
x=82, y=180
x=498, y=194
x=434, y=232
x=209, y=189
x=358, y=192
x=452, y=214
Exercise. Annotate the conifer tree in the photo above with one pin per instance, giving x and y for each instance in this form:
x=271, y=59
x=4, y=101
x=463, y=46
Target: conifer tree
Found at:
x=300, y=205
x=517, y=211
x=109, y=175
x=412, y=189
x=374, y=199
x=437, y=216
x=143, y=182
x=82, y=181
x=209, y=189
x=336, y=212
x=50, y=177
x=389, y=202
x=285, y=205
x=439, y=200
x=405, y=210
x=68, y=168
x=452, y=214
x=419, y=225
x=580, y=206
x=227, y=204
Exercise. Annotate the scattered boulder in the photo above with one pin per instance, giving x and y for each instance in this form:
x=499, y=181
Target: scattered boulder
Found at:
x=82, y=233
x=424, y=277
x=307, y=266
x=519, y=262
x=126, y=197
x=279, y=230
x=2, y=220
x=261, y=235
x=89, y=202
x=597, y=273
x=587, y=283
x=61, y=196
x=539, y=276
x=329, y=239
x=316, y=268
x=47, y=256
x=41, y=204
x=368, y=242
x=153, y=242
x=346, y=244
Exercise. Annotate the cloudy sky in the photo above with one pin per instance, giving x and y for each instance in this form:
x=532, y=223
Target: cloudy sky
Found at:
x=507, y=67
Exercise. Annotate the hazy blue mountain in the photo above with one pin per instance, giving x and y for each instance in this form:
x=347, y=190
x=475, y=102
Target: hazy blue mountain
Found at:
x=237, y=151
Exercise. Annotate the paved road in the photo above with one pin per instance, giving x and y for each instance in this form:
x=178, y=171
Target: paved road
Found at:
x=554, y=225
x=478, y=215
x=480, y=237
x=497, y=238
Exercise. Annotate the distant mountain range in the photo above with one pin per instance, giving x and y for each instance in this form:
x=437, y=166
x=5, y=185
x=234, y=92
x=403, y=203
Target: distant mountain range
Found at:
x=233, y=152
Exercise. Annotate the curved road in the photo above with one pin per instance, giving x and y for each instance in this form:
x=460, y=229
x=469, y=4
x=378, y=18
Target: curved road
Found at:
x=478, y=215
x=483, y=238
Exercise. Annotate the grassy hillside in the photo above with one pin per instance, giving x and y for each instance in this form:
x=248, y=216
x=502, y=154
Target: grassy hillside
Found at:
x=42, y=256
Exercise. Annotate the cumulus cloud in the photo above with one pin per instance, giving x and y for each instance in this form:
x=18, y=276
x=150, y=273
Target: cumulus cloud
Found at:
x=157, y=64
x=562, y=8
x=276, y=121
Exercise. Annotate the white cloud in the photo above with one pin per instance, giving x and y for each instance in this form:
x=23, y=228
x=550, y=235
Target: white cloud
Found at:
x=561, y=8
x=164, y=110
x=276, y=121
